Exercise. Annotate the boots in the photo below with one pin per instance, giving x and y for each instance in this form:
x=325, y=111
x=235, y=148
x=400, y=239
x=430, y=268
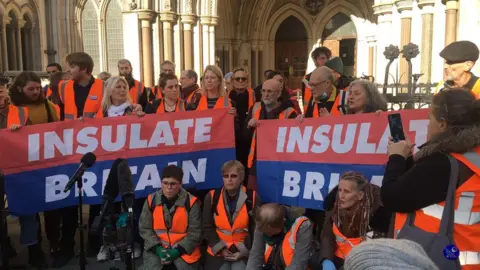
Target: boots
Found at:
x=36, y=257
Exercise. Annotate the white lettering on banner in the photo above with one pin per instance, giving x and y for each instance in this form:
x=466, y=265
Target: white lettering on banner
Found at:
x=149, y=177
x=51, y=144
x=313, y=184
x=341, y=138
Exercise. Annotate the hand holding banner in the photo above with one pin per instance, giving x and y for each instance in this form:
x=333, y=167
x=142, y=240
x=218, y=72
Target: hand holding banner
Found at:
x=299, y=163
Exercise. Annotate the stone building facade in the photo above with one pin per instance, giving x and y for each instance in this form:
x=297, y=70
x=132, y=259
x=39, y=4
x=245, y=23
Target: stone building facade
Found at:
x=255, y=34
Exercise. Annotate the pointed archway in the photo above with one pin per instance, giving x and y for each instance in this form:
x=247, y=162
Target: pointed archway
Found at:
x=291, y=51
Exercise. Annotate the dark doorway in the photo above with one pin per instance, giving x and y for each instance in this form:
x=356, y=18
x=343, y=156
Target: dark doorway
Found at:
x=291, y=51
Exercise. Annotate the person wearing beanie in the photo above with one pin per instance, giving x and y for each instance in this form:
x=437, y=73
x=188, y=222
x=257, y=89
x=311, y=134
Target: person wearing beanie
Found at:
x=336, y=65
x=460, y=58
x=388, y=254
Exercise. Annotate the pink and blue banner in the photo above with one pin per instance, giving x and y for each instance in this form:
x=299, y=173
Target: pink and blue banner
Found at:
x=299, y=163
x=38, y=160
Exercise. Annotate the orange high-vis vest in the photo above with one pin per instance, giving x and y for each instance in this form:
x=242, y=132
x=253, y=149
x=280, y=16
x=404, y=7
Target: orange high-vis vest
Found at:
x=179, y=108
x=475, y=89
x=256, y=110
x=169, y=237
x=222, y=102
x=234, y=233
x=288, y=244
x=17, y=115
x=251, y=97
x=344, y=244
x=92, y=104
x=49, y=92
x=158, y=92
x=466, y=229
x=338, y=107
x=136, y=91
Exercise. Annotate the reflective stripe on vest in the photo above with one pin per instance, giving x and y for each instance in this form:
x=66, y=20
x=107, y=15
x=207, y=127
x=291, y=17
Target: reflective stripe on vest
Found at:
x=230, y=233
x=170, y=237
x=288, y=244
x=17, y=115
x=466, y=214
x=92, y=103
x=255, y=114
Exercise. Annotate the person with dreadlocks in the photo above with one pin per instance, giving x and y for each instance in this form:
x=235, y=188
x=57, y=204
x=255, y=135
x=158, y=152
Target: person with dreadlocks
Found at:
x=347, y=224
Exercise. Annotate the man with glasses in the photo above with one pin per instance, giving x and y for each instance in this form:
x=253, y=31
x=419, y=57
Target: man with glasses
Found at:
x=171, y=225
x=460, y=58
x=51, y=69
x=271, y=107
x=243, y=99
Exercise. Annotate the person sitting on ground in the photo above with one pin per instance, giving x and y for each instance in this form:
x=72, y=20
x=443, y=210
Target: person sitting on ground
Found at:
x=282, y=239
x=228, y=221
x=171, y=225
x=347, y=225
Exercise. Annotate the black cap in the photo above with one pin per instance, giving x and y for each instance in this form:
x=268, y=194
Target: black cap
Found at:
x=460, y=51
x=335, y=64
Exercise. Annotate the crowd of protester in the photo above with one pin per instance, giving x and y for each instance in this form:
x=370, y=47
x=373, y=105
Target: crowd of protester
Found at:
x=229, y=228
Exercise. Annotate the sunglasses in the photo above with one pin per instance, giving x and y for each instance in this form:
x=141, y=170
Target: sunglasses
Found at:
x=240, y=79
x=233, y=176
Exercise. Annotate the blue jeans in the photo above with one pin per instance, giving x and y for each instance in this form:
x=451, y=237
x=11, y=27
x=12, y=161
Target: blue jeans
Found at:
x=30, y=231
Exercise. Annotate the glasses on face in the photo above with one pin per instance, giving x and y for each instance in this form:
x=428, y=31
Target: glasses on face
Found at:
x=169, y=184
x=268, y=91
x=240, y=79
x=316, y=85
x=232, y=176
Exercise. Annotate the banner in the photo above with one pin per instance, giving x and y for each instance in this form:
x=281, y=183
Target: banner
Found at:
x=38, y=160
x=299, y=163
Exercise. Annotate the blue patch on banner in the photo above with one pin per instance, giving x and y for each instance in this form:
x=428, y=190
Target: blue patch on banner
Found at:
x=306, y=184
x=44, y=187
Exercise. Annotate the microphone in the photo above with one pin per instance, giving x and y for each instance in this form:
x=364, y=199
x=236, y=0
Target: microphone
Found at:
x=86, y=162
x=125, y=184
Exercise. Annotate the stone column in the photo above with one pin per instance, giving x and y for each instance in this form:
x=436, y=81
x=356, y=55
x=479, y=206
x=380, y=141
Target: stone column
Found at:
x=371, y=55
x=188, y=21
x=20, y=25
x=211, y=35
x=254, y=66
x=384, y=13
x=230, y=57
x=146, y=18
x=4, y=43
x=168, y=19
x=208, y=59
x=427, y=7
x=405, y=9
x=451, y=20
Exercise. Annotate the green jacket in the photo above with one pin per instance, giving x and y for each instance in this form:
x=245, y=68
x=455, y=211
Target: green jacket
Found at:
x=188, y=243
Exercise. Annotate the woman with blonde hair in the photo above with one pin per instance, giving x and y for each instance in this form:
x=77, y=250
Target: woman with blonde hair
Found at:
x=214, y=95
x=116, y=99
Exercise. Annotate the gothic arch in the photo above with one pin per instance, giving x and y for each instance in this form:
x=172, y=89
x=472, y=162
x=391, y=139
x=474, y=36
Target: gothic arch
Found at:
x=27, y=10
x=2, y=11
x=331, y=10
x=12, y=6
x=270, y=30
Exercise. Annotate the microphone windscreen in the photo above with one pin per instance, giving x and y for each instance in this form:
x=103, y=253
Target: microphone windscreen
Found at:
x=111, y=186
x=125, y=178
x=88, y=159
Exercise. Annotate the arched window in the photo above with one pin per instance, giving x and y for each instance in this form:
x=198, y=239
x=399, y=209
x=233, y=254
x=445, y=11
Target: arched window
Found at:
x=90, y=34
x=114, y=29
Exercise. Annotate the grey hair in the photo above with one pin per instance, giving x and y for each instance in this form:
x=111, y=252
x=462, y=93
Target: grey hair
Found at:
x=375, y=100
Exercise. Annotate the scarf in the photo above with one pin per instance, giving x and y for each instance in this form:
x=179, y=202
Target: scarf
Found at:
x=115, y=111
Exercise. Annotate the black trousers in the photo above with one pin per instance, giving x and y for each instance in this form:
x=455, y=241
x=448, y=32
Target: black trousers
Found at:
x=61, y=226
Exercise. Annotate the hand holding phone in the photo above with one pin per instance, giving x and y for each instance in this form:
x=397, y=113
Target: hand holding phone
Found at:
x=396, y=127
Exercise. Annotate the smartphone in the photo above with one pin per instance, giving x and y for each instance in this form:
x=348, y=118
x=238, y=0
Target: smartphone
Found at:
x=396, y=127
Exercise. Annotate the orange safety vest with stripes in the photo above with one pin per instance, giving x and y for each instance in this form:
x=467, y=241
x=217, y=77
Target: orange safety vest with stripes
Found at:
x=157, y=92
x=344, y=244
x=338, y=108
x=251, y=97
x=475, y=89
x=234, y=233
x=256, y=110
x=92, y=104
x=17, y=115
x=136, y=91
x=161, y=107
x=466, y=228
x=222, y=102
x=170, y=237
x=288, y=243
